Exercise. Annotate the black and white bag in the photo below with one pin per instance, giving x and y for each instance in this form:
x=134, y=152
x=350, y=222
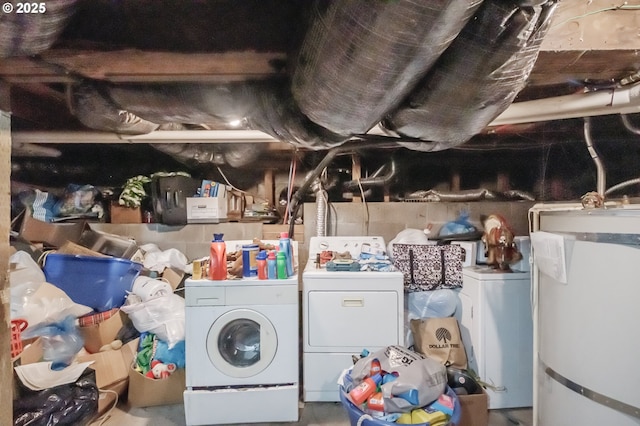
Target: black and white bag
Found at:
x=429, y=267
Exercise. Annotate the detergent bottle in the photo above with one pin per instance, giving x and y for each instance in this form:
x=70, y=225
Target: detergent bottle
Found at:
x=218, y=259
x=272, y=271
x=281, y=265
x=286, y=247
x=261, y=260
x=365, y=389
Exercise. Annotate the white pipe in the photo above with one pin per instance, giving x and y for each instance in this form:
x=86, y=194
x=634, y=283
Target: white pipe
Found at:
x=623, y=100
x=621, y=185
x=159, y=136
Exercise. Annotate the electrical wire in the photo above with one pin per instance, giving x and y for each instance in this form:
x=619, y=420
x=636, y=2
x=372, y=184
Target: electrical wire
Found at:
x=623, y=6
x=229, y=183
x=366, y=209
x=106, y=416
x=292, y=176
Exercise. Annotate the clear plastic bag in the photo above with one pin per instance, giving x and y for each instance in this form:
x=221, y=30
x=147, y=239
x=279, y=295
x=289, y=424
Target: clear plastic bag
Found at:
x=61, y=341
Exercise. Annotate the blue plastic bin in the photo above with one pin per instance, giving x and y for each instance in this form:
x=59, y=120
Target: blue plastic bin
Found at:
x=98, y=282
x=358, y=418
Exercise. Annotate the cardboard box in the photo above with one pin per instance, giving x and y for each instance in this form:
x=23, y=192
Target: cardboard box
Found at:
x=272, y=232
x=51, y=234
x=475, y=409
x=122, y=214
x=173, y=276
x=97, y=335
x=147, y=392
x=112, y=372
x=206, y=209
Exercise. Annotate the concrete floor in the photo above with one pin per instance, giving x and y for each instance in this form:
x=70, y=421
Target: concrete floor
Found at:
x=314, y=413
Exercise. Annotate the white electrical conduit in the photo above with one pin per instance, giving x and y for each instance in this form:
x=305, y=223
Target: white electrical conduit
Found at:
x=622, y=100
x=601, y=178
x=627, y=125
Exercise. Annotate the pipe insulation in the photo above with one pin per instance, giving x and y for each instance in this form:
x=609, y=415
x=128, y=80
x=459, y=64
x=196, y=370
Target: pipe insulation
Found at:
x=476, y=78
x=360, y=58
x=33, y=32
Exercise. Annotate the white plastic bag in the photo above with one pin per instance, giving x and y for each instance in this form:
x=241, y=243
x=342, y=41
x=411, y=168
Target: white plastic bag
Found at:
x=408, y=236
x=34, y=299
x=157, y=260
x=162, y=316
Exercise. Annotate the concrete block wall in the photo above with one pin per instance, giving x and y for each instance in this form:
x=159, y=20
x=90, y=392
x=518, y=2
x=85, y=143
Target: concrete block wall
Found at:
x=387, y=219
x=347, y=219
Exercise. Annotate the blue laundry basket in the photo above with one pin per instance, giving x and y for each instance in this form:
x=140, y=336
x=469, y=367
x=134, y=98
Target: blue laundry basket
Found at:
x=359, y=418
x=98, y=282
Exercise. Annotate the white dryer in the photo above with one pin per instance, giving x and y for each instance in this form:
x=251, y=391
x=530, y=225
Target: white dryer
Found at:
x=345, y=312
x=242, y=351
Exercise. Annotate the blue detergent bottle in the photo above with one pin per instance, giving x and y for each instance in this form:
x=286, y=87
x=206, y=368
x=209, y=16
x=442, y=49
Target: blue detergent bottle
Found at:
x=286, y=247
x=272, y=273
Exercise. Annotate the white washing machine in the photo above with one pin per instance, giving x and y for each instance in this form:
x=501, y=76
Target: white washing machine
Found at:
x=242, y=351
x=496, y=324
x=344, y=313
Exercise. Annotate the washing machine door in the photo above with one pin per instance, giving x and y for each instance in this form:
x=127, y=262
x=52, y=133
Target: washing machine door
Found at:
x=242, y=343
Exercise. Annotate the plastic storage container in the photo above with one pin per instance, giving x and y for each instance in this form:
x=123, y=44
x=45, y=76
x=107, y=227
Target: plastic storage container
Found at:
x=98, y=282
x=359, y=418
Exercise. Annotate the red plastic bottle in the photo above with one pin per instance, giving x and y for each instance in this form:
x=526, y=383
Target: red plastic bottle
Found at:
x=218, y=259
x=261, y=260
x=365, y=389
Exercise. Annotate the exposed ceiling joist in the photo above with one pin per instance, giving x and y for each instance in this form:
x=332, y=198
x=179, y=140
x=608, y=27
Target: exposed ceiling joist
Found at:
x=130, y=65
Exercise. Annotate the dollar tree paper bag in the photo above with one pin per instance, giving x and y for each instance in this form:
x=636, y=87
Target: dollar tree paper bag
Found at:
x=440, y=339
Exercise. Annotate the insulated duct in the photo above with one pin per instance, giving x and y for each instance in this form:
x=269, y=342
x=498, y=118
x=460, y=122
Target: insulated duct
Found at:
x=360, y=58
x=264, y=105
x=27, y=29
x=93, y=108
x=476, y=78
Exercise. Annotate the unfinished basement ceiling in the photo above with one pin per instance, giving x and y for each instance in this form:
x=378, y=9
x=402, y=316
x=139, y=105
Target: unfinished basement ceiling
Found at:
x=168, y=72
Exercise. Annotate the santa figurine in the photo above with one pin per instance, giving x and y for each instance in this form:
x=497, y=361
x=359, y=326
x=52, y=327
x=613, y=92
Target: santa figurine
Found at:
x=160, y=370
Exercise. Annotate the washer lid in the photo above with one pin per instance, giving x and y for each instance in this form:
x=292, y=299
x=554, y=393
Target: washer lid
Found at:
x=242, y=343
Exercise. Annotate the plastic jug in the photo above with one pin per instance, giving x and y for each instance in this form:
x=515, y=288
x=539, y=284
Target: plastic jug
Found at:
x=261, y=260
x=218, y=259
x=281, y=265
x=286, y=247
x=272, y=272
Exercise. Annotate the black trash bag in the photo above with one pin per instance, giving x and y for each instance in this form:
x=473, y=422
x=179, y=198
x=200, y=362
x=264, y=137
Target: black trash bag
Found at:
x=70, y=404
x=360, y=58
x=476, y=78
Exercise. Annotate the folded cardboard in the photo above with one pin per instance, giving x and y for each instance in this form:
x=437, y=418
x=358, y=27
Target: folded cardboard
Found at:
x=97, y=335
x=112, y=372
x=147, y=392
x=51, y=234
x=475, y=409
x=207, y=209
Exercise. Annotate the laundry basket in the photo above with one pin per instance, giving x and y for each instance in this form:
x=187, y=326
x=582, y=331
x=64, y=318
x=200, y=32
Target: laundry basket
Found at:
x=17, y=327
x=359, y=418
x=98, y=282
